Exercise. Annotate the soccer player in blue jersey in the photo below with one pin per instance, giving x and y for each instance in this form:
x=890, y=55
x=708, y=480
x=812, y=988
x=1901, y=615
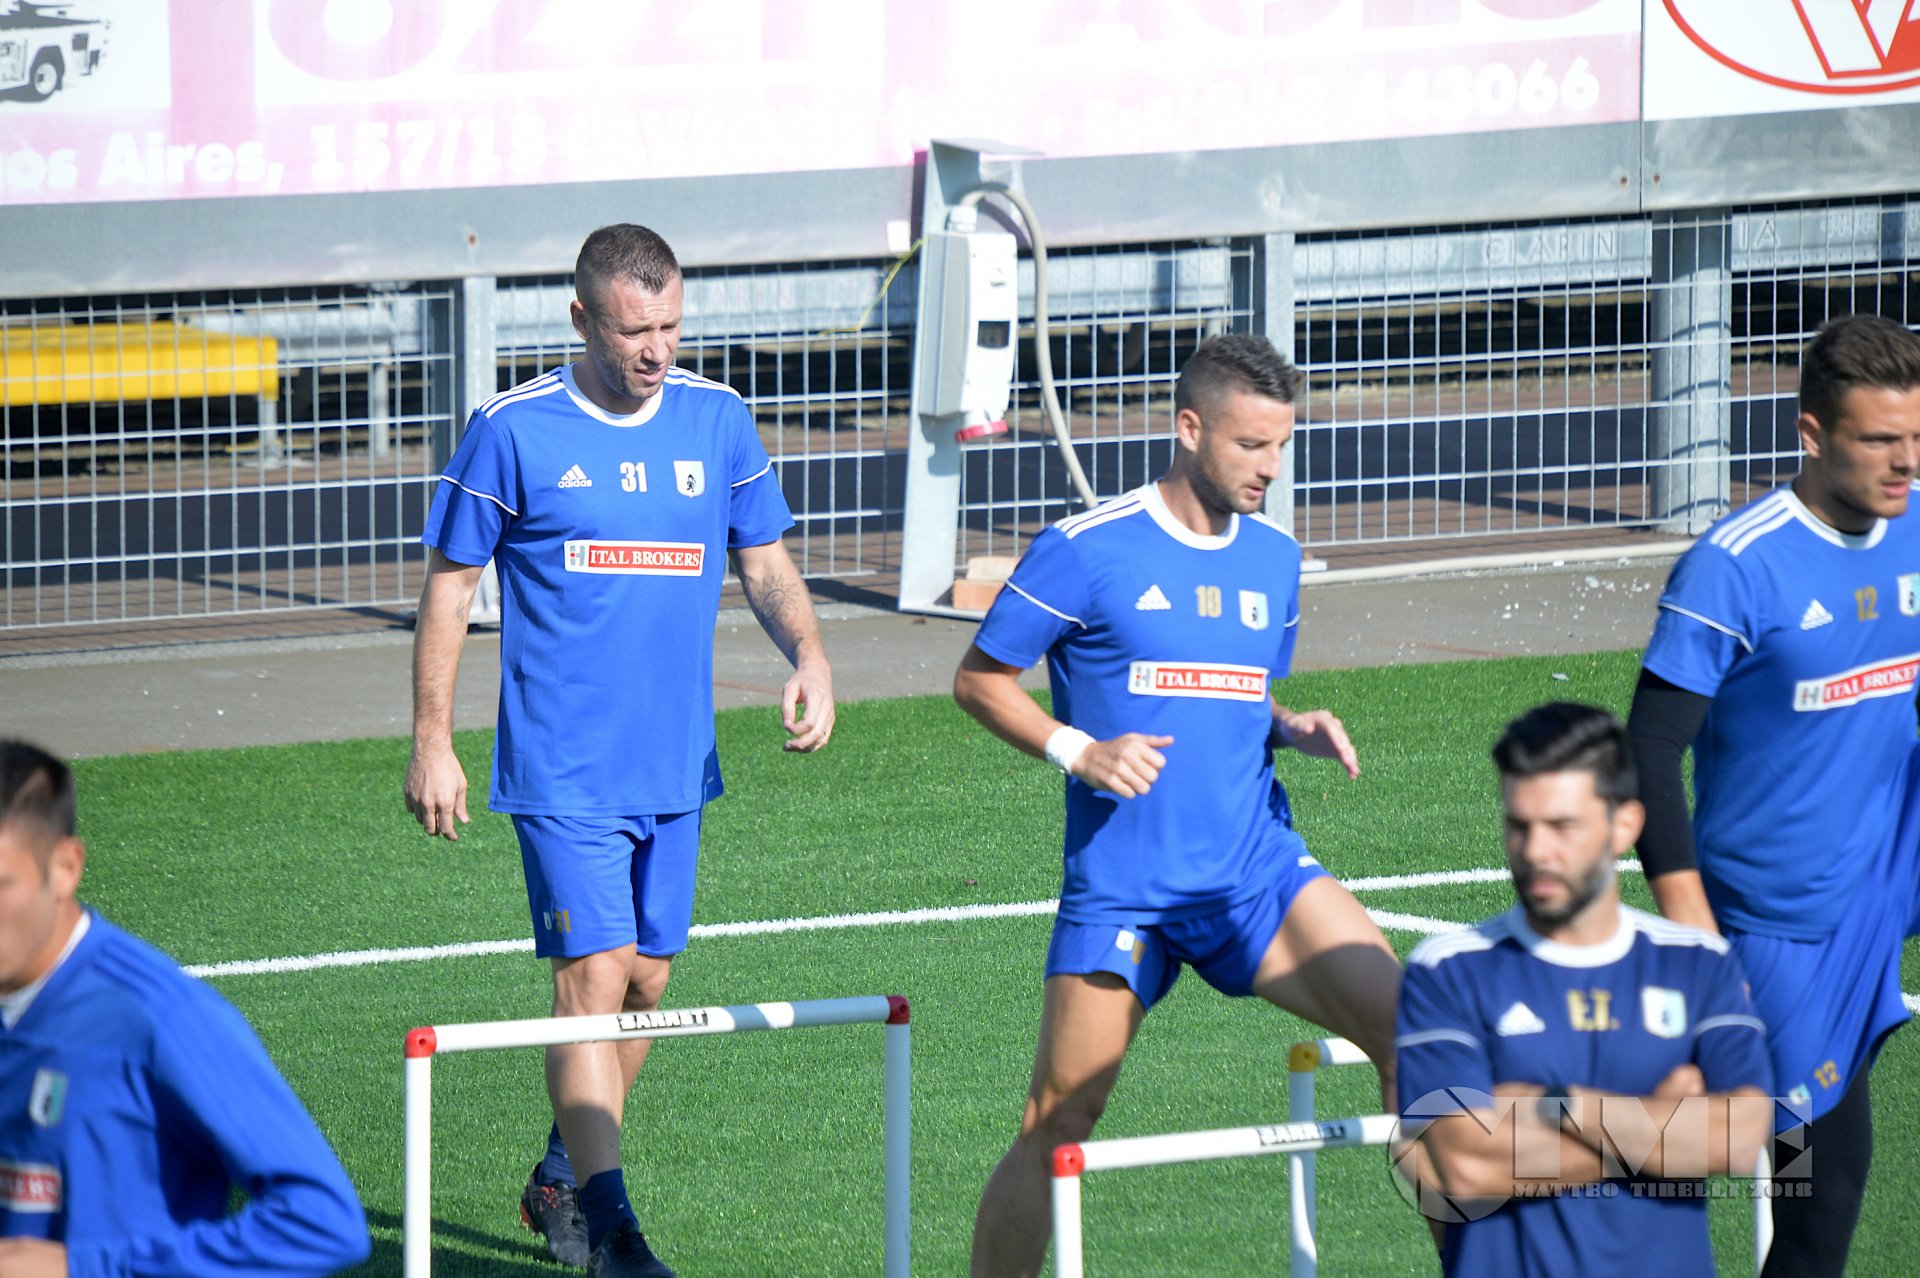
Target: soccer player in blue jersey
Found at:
x=133, y=1099
x=609, y=494
x=1785, y=655
x=1163, y=616
x=1571, y=1068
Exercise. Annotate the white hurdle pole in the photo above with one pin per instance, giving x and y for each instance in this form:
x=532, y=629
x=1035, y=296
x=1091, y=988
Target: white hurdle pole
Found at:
x=426, y=1042
x=1071, y=1161
x=1303, y=1059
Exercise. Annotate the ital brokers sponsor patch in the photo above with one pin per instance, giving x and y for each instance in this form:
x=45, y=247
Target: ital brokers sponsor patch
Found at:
x=1206, y=679
x=643, y=558
x=1862, y=683
x=30, y=1188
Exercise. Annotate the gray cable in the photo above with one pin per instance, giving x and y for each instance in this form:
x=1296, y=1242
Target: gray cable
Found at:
x=1042, y=334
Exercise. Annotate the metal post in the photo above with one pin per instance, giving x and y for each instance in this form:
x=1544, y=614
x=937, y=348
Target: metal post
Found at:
x=1068, y=1260
x=1271, y=299
x=1303, y=1059
x=416, y=1202
x=476, y=358
x=898, y=1137
x=1690, y=331
x=379, y=409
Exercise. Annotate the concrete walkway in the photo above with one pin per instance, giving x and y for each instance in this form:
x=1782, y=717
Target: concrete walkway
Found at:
x=262, y=692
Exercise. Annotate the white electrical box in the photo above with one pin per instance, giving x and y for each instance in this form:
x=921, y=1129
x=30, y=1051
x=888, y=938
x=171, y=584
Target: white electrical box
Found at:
x=967, y=367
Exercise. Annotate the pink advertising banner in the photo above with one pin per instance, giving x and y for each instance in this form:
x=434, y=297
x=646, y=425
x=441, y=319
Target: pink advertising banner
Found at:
x=155, y=99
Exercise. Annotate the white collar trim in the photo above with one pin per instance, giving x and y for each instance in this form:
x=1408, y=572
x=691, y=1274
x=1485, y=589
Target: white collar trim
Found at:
x=14, y=1006
x=1821, y=528
x=1157, y=507
x=642, y=417
x=1560, y=954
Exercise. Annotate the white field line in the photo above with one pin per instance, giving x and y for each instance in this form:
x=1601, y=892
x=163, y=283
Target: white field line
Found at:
x=1388, y=920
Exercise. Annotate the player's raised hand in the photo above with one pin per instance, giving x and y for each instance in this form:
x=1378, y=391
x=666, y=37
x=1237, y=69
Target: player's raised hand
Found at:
x=1127, y=766
x=1318, y=733
x=437, y=790
x=810, y=686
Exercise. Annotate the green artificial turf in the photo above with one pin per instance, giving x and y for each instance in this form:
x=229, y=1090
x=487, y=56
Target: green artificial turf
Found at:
x=759, y=1154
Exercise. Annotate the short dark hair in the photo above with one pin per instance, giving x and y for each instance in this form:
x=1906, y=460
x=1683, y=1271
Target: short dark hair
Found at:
x=35, y=789
x=1855, y=350
x=1565, y=736
x=1235, y=362
x=623, y=251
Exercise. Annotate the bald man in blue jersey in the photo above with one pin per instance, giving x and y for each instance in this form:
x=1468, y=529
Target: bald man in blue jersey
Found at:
x=1163, y=616
x=610, y=494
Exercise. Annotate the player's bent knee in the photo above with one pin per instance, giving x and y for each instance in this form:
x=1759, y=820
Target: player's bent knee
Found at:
x=592, y=984
x=646, y=983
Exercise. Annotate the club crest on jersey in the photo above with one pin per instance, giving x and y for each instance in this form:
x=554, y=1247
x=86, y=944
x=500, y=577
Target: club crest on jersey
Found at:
x=29, y=1188
x=1253, y=609
x=1910, y=594
x=689, y=478
x=48, y=1100
x=1663, y=1011
x=643, y=558
x=1206, y=679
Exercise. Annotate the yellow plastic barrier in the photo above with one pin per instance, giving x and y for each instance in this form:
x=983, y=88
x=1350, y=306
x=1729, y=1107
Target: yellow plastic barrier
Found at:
x=113, y=363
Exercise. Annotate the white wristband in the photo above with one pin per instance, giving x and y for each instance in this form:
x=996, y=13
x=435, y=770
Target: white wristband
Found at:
x=1065, y=747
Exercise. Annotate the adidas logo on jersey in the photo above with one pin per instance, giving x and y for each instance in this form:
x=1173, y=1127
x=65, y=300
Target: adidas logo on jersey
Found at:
x=1152, y=601
x=1815, y=616
x=1519, y=1019
x=575, y=478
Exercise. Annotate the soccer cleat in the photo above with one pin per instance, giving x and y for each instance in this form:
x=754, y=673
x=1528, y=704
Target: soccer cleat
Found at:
x=554, y=1211
x=625, y=1254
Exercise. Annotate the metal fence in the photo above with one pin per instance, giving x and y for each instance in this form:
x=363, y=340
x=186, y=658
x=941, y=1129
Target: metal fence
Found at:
x=209, y=454
x=1477, y=388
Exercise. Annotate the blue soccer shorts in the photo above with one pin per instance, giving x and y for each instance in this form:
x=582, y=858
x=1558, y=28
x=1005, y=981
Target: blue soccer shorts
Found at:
x=1829, y=1005
x=1225, y=947
x=598, y=883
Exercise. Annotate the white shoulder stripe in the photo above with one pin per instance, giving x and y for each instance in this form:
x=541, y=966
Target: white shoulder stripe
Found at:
x=1438, y=948
x=1119, y=508
x=755, y=475
x=449, y=479
x=534, y=389
x=1710, y=622
x=1735, y=524
x=693, y=381
x=1039, y=604
x=1733, y=1020
x=1757, y=531
x=1261, y=517
x=1419, y=1037
x=1666, y=932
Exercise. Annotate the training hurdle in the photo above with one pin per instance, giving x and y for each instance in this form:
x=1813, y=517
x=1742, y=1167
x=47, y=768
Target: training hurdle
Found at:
x=426, y=1042
x=1071, y=1161
x=1304, y=1060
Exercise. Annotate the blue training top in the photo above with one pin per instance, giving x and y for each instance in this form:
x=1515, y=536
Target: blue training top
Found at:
x=133, y=1101
x=1150, y=627
x=1502, y=1004
x=610, y=535
x=1807, y=640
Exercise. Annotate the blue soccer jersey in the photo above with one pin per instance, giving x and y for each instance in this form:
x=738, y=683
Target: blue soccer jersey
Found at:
x=1150, y=627
x=133, y=1101
x=610, y=534
x=1807, y=640
x=1502, y=1004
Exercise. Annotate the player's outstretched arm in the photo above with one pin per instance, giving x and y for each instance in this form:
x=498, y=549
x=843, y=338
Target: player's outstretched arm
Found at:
x=1314, y=732
x=436, y=787
x=990, y=691
x=779, y=599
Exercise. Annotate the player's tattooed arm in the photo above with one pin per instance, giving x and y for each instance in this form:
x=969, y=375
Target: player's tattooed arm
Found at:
x=784, y=610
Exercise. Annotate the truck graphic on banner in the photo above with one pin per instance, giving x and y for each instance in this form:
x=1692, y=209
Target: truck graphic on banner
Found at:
x=42, y=44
